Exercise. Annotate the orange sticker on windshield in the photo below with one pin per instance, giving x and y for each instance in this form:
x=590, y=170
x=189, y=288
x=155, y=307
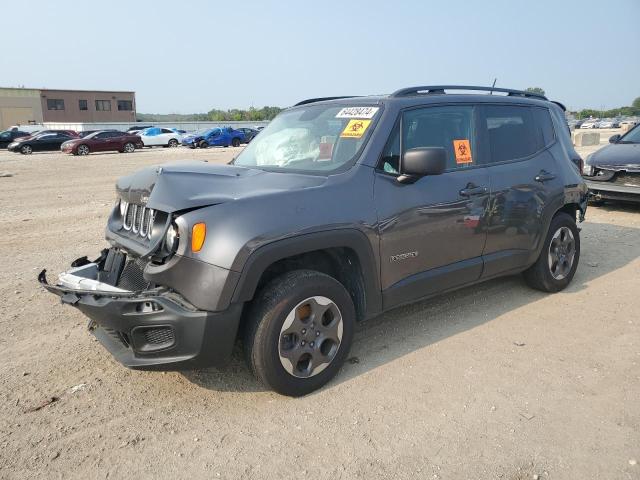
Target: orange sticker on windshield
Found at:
x=355, y=128
x=462, y=149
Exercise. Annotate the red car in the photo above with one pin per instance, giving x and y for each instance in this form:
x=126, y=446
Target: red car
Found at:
x=102, y=141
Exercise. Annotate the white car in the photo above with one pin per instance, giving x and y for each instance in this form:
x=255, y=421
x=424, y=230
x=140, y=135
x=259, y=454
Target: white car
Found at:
x=590, y=124
x=606, y=124
x=160, y=137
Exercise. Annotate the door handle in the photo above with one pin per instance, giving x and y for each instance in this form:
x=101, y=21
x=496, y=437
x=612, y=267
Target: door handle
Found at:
x=544, y=176
x=471, y=190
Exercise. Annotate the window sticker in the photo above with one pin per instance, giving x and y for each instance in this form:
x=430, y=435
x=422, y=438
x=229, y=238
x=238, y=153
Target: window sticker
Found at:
x=357, y=112
x=462, y=149
x=355, y=128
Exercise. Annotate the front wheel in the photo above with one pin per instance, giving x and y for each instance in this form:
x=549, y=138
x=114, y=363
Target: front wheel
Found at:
x=559, y=257
x=83, y=150
x=129, y=147
x=235, y=142
x=203, y=144
x=26, y=150
x=299, y=331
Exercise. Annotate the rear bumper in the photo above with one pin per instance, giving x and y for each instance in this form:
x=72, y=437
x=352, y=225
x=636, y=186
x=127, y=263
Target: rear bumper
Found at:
x=155, y=329
x=613, y=192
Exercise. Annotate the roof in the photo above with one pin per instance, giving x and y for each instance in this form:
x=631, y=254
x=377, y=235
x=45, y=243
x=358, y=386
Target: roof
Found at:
x=66, y=90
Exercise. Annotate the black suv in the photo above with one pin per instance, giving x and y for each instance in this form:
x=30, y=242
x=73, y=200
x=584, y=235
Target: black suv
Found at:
x=341, y=209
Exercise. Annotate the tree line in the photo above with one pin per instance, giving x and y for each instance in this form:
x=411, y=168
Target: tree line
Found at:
x=214, y=115
x=630, y=111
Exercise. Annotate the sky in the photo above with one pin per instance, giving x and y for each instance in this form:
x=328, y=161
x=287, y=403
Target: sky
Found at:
x=192, y=56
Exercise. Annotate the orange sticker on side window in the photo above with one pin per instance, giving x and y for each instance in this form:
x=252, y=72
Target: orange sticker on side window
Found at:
x=462, y=149
x=355, y=128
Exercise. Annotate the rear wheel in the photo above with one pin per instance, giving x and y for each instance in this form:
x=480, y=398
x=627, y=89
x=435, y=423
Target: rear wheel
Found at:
x=83, y=150
x=173, y=143
x=299, y=331
x=26, y=150
x=235, y=142
x=559, y=257
x=129, y=147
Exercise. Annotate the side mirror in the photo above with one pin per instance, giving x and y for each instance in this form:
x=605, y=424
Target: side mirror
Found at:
x=422, y=161
x=614, y=138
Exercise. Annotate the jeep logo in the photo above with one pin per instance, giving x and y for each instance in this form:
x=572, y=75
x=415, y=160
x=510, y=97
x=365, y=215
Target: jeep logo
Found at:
x=403, y=256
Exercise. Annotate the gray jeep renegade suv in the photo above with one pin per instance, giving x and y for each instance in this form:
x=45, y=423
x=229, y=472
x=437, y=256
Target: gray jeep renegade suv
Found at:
x=341, y=209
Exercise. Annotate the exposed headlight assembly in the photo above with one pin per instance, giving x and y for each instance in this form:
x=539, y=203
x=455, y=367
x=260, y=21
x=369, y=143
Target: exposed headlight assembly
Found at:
x=587, y=169
x=171, y=239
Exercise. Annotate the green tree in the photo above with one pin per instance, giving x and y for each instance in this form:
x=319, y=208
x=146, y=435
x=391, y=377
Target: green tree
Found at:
x=636, y=104
x=535, y=90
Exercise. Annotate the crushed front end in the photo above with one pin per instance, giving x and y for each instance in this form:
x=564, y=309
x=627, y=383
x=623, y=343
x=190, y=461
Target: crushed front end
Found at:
x=148, y=302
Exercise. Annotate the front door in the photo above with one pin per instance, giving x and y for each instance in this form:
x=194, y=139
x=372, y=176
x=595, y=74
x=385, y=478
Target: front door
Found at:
x=431, y=231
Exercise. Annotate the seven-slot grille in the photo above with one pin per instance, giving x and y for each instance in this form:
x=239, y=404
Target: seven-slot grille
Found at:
x=138, y=219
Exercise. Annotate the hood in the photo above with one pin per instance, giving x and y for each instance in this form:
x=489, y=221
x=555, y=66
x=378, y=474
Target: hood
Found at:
x=182, y=186
x=617, y=156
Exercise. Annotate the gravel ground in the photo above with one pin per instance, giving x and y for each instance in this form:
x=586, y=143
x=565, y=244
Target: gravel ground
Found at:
x=492, y=381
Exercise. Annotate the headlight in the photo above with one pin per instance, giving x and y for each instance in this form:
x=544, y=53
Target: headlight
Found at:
x=587, y=169
x=171, y=239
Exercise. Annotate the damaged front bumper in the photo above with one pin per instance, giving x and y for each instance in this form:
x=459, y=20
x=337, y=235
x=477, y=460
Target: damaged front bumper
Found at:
x=150, y=329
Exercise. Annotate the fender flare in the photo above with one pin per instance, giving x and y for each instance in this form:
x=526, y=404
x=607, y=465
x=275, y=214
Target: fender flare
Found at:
x=264, y=256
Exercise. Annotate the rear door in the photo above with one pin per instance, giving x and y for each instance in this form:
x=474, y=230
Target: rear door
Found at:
x=431, y=231
x=525, y=185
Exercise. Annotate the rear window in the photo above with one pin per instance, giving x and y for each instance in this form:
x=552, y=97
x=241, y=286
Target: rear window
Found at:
x=513, y=132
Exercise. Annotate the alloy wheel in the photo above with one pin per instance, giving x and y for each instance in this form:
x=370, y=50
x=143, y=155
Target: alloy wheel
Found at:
x=128, y=147
x=310, y=337
x=562, y=251
x=83, y=150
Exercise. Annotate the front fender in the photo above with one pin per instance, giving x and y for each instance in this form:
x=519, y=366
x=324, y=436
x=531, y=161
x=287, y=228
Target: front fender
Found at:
x=260, y=259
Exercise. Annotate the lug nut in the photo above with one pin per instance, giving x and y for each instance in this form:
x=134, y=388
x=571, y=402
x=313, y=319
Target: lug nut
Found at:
x=302, y=342
x=304, y=331
x=312, y=344
x=317, y=334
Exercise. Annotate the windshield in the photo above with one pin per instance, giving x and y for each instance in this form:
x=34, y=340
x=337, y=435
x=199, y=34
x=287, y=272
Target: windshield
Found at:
x=633, y=136
x=313, y=138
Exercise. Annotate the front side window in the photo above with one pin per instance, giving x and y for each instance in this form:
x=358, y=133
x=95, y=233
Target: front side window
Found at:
x=448, y=127
x=315, y=138
x=55, y=104
x=125, y=105
x=103, y=105
x=512, y=132
x=82, y=105
x=5, y=135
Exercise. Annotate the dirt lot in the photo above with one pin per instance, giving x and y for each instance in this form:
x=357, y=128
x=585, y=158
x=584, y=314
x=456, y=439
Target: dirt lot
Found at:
x=493, y=381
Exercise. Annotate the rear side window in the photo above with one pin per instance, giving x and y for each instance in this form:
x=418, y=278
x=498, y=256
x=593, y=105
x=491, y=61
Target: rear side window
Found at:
x=545, y=125
x=512, y=132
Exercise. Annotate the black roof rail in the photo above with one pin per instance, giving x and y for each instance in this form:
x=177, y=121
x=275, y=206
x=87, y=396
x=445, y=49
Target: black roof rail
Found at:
x=321, y=99
x=440, y=89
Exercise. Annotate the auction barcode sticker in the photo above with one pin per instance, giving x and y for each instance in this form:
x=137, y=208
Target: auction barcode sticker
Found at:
x=357, y=112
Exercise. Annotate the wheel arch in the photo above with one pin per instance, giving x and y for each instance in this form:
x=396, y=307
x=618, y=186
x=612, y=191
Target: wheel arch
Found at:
x=344, y=254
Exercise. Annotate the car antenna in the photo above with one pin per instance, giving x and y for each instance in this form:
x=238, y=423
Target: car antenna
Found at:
x=494, y=84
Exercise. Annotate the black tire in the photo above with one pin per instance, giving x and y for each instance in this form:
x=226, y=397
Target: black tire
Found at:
x=173, y=143
x=266, y=317
x=203, y=144
x=540, y=275
x=128, y=148
x=83, y=149
x=26, y=149
x=235, y=142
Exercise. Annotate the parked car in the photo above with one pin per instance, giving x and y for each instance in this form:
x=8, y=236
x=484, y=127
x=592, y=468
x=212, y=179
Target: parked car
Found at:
x=27, y=128
x=103, y=141
x=89, y=132
x=606, y=124
x=10, y=136
x=40, y=142
x=318, y=224
x=579, y=123
x=213, y=137
x=138, y=128
x=613, y=172
x=590, y=124
x=249, y=133
x=156, y=137
x=70, y=133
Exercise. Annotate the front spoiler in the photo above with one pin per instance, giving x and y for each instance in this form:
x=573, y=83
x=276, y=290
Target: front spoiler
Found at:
x=154, y=329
